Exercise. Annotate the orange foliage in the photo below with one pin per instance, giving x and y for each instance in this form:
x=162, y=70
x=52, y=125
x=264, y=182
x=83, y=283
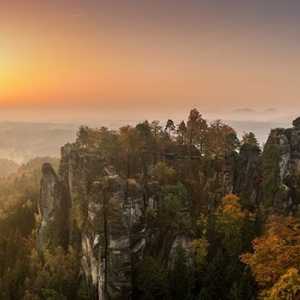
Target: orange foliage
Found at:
x=275, y=252
x=231, y=207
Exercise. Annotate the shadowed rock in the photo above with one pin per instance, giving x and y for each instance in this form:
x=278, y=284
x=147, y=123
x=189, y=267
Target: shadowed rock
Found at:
x=296, y=122
x=53, y=208
x=286, y=170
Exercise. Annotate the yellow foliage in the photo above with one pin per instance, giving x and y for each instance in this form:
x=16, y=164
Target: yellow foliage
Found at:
x=287, y=287
x=164, y=173
x=276, y=253
x=200, y=250
x=231, y=207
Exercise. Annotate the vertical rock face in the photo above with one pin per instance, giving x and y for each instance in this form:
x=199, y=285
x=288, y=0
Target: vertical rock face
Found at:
x=105, y=215
x=248, y=176
x=53, y=209
x=228, y=173
x=286, y=145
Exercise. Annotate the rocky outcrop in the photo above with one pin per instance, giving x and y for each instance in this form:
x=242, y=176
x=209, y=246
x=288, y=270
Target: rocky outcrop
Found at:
x=248, y=175
x=283, y=149
x=53, y=208
x=105, y=218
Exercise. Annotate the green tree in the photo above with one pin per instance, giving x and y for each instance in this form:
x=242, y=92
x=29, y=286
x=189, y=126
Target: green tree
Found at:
x=152, y=280
x=181, y=276
x=249, y=139
x=170, y=127
x=55, y=275
x=181, y=133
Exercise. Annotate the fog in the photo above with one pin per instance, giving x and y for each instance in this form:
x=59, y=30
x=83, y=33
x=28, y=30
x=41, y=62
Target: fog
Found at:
x=25, y=134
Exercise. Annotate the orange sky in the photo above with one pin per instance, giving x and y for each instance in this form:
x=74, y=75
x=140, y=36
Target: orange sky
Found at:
x=120, y=58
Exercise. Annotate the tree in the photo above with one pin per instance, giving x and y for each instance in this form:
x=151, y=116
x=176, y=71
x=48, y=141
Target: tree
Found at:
x=152, y=280
x=181, y=133
x=55, y=275
x=170, y=127
x=87, y=137
x=275, y=253
x=156, y=129
x=108, y=144
x=83, y=135
x=287, y=287
x=192, y=125
x=249, y=139
x=229, y=221
x=200, y=248
x=221, y=140
x=146, y=145
x=181, y=276
x=196, y=130
x=129, y=147
x=224, y=276
x=164, y=173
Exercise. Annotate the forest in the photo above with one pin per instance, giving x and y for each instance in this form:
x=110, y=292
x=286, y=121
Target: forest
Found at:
x=182, y=211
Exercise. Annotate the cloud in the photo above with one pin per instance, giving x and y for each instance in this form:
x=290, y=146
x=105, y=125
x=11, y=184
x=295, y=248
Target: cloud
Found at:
x=244, y=110
x=270, y=110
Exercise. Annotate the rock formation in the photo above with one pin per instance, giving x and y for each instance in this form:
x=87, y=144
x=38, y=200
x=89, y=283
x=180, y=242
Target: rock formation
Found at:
x=283, y=151
x=54, y=210
x=247, y=176
x=102, y=213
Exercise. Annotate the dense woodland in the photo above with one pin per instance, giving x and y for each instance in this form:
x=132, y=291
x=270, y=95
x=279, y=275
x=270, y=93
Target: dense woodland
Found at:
x=242, y=245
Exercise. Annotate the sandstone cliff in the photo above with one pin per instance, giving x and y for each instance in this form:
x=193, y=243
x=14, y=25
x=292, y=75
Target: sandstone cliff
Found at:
x=281, y=168
x=106, y=214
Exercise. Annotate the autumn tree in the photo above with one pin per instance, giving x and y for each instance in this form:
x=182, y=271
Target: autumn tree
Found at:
x=196, y=129
x=221, y=140
x=224, y=276
x=275, y=253
x=287, y=287
x=230, y=220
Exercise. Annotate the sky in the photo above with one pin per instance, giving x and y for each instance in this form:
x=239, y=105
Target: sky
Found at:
x=131, y=59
